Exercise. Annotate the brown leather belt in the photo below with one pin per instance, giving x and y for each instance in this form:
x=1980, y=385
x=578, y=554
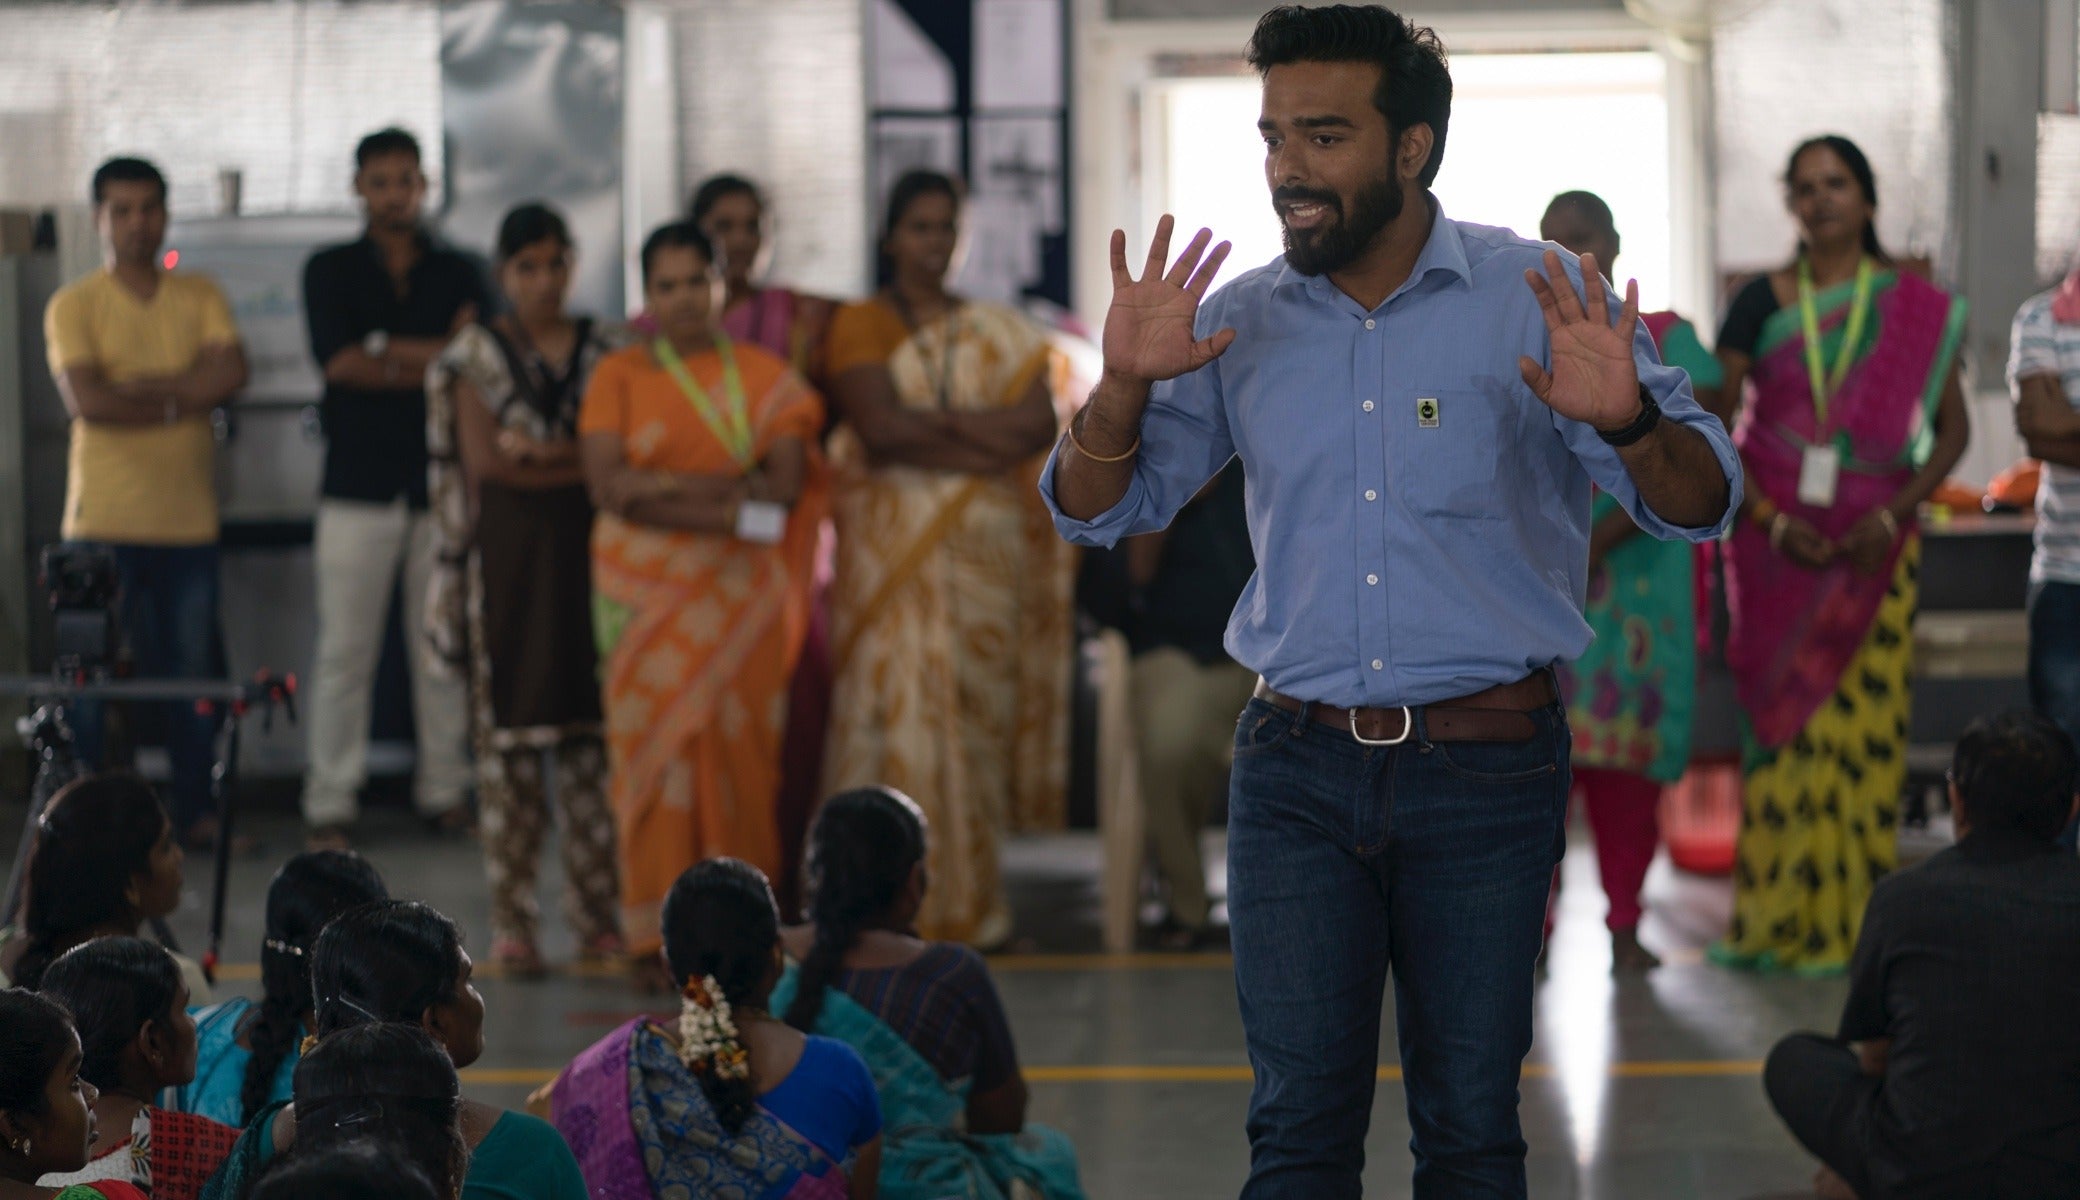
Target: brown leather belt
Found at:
x=1500, y=714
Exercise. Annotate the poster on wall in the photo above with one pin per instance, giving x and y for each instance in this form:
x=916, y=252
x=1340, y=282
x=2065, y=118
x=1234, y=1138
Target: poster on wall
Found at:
x=908, y=144
x=531, y=96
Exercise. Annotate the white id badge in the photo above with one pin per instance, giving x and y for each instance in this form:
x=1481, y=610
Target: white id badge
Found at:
x=761, y=521
x=1818, y=473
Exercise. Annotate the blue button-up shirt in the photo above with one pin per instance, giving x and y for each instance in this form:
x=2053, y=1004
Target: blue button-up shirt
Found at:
x=1420, y=518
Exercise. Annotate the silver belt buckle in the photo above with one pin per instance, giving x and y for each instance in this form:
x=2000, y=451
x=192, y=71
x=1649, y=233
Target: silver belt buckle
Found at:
x=1408, y=726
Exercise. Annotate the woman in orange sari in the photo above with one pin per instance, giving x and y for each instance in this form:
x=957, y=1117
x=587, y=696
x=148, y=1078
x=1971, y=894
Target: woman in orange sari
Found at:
x=702, y=458
x=950, y=608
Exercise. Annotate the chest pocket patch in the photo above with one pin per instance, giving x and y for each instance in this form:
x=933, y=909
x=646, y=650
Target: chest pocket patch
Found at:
x=1451, y=444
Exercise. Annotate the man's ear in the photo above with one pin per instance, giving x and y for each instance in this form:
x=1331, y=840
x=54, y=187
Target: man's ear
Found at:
x=1412, y=151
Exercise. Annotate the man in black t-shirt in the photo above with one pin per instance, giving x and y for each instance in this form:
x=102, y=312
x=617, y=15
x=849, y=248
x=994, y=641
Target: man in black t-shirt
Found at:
x=380, y=310
x=1956, y=1072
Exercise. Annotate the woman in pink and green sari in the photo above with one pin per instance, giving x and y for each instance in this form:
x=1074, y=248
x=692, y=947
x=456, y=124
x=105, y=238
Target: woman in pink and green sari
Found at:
x=1853, y=417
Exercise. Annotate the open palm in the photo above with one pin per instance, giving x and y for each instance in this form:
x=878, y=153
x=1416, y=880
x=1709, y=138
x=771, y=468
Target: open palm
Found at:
x=1148, y=329
x=1592, y=378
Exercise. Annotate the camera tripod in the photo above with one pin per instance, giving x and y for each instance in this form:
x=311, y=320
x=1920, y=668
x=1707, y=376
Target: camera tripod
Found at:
x=48, y=736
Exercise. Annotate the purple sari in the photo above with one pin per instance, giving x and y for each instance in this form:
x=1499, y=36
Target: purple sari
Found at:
x=641, y=1128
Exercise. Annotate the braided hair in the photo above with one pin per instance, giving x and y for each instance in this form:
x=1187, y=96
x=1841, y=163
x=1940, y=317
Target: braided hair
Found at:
x=386, y=961
x=94, y=838
x=386, y=1084
x=865, y=846
x=303, y=897
x=721, y=929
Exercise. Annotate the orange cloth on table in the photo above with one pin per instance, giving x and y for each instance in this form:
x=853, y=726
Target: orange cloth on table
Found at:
x=699, y=632
x=951, y=610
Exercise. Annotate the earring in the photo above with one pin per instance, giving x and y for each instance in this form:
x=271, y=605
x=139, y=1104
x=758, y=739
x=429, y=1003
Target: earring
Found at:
x=23, y=1146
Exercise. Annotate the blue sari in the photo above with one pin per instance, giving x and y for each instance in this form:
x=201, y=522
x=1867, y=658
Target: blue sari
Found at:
x=926, y=1153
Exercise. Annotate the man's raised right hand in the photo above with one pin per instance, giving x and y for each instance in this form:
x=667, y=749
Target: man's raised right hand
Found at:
x=1148, y=329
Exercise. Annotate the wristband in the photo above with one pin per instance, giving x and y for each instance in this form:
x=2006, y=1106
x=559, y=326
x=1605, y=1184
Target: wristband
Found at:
x=1131, y=451
x=1642, y=425
x=1890, y=522
x=1776, y=531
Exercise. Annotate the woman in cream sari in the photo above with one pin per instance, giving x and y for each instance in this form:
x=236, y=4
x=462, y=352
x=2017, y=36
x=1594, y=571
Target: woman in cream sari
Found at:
x=950, y=612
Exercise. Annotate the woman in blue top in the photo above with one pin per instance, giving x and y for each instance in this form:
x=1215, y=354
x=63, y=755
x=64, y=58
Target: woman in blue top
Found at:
x=246, y=1054
x=732, y=1101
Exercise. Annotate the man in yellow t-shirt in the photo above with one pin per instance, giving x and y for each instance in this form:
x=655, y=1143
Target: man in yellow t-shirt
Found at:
x=142, y=357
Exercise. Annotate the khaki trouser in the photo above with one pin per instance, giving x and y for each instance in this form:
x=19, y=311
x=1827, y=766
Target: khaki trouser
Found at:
x=360, y=548
x=1184, y=715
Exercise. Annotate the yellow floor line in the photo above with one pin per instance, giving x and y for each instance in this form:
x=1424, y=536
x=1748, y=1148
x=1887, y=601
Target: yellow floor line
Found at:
x=1130, y=1073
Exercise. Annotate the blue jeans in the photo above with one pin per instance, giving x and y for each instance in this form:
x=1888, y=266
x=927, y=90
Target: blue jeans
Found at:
x=1347, y=862
x=2054, y=663
x=168, y=616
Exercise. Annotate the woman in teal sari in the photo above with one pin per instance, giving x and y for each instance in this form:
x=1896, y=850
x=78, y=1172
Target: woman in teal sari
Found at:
x=730, y=1103
x=924, y=1016
x=1853, y=416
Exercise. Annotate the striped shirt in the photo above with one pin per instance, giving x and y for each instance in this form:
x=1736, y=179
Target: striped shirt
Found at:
x=2039, y=345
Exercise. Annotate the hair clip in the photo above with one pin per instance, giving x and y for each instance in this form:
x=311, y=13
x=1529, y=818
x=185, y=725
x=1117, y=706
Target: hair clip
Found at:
x=360, y=1116
x=348, y=1002
x=281, y=947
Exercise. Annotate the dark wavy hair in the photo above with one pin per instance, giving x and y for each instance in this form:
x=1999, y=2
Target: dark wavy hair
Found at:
x=1415, y=80
x=309, y=891
x=720, y=921
x=675, y=235
x=387, y=961
x=112, y=986
x=1852, y=156
x=355, y=1171
x=716, y=188
x=386, y=1084
x=96, y=836
x=2016, y=771
x=35, y=1033
x=861, y=853
x=528, y=224
x=384, y=142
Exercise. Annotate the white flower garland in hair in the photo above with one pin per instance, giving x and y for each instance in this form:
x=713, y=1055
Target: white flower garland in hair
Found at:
x=708, y=1039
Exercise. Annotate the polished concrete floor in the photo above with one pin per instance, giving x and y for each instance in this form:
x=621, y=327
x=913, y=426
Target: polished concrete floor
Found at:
x=1641, y=1087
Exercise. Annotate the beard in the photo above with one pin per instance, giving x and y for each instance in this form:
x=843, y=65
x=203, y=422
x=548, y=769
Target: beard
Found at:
x=1338, y=243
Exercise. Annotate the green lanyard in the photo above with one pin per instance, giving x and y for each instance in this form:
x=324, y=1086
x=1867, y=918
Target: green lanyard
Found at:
x=733, y=426
x=1824, y=385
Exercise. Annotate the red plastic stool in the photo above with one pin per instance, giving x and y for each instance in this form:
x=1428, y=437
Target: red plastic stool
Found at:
x=1701, y=816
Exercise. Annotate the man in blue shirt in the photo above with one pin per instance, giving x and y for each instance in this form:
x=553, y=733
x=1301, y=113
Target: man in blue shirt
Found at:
x=1420, y=429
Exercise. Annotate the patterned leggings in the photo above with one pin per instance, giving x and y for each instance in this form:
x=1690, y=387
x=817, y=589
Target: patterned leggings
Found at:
x=515, y=803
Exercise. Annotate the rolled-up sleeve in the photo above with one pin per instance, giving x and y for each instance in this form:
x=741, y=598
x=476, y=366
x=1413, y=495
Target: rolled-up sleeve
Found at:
x=1184, y=443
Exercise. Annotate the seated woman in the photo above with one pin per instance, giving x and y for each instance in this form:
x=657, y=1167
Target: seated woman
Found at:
x=353, y=1172
x=732, y=1102
x=389, y=1086
x=106, y=861
x=246, y=1054
x=924, y=1015
x=46, y=1108
x=399, y=961
x=137, y=1040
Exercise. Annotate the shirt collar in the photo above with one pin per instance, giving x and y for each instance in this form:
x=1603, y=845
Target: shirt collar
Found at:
x=1443, y=250
x=2002, y=845
x=419, y=235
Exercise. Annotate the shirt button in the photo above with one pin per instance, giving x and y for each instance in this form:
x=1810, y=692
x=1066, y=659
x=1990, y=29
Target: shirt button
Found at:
x=1368, y=406
x=1371, y=495
x=1369, y=322
x=1377, y=665
x=1373, y=580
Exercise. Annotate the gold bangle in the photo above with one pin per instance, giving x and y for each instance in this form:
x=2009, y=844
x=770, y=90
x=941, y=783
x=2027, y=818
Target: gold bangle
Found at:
x=1099, y=458
x=1763, y=512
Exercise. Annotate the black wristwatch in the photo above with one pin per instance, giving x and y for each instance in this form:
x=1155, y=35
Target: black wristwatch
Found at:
x=1642, y=425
